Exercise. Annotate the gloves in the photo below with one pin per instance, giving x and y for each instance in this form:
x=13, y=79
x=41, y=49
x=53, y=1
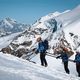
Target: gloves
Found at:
x=56, y=57
x=74, y=61
x=33, y=49
x=36, y=52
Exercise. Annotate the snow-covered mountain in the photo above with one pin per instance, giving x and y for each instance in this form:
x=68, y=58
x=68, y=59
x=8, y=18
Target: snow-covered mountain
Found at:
x=54, y=27
x=66, y=22
x=61, y=29
x=9, y=26
x=63, y=19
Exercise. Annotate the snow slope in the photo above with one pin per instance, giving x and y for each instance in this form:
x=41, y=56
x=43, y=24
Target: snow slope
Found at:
x=65, y=18
x=13, y=68
x=74, y=29
x=5, y=41
x=69, y=16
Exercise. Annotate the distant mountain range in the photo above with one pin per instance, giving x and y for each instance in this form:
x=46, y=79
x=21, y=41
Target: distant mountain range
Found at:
x=9, y=26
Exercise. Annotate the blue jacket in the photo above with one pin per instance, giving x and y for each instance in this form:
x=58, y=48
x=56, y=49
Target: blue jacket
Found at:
x=63, y=56
x=77, y=57
x=41, y=47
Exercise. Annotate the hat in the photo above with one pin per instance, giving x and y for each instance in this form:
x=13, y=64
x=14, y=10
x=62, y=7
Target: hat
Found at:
x=65, y=49
x=38, y=39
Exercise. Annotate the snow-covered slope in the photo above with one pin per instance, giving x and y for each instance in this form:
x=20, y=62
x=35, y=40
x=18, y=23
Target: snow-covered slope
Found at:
x=70, y=16
x=9, y=26
x=13, y=68
x=63, y=18
x=72, y=33
x=46, y=21
x=5, y=41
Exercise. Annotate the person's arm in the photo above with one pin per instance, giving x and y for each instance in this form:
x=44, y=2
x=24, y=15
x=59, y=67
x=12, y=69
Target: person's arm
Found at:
x=75, y=60
x=37, y=51
x=58, y=57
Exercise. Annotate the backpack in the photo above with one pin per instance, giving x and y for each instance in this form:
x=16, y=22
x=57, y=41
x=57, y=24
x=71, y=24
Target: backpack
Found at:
x=65, y=57
x=46, y=44
x=78, y=57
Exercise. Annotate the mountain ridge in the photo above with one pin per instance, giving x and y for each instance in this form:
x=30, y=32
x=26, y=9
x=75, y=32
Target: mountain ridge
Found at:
x=9, y=26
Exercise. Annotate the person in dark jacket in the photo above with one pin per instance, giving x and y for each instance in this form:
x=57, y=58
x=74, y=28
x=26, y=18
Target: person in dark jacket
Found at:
x=77, y=60
x=41, y=49
x=64, y=57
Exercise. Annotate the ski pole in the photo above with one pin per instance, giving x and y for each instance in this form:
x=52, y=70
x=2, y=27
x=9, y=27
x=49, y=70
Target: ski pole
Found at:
x=59, y=58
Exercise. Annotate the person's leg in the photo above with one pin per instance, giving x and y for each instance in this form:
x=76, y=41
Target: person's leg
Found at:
x=44, y=59
x=66, y=67
x=78, y=68
x=41, y=58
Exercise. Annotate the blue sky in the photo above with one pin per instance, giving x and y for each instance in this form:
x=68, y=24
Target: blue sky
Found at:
x=28, y=11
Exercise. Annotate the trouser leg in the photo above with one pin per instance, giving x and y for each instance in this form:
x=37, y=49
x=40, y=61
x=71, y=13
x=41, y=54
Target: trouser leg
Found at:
x=66, y=67
x=78, y=68
x=43, y=60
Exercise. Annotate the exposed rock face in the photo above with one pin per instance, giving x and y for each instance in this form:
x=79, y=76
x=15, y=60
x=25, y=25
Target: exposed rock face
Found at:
x=20, y=52
x=62, y=43
x=7, y=50
x=17, y=53
x=14, y=46
x=27, y=43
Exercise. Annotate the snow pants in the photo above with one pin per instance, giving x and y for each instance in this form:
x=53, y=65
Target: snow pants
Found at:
x=66, y=67
x=78, y=68
x=43, y=60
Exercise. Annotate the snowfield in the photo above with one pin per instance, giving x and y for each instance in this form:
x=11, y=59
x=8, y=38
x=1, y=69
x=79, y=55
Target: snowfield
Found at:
x=5, y=41
x=13, y=68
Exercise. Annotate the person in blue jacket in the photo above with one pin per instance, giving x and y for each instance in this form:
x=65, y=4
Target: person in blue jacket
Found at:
x=41, y=49
x=64, y=57
x=77, y=60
